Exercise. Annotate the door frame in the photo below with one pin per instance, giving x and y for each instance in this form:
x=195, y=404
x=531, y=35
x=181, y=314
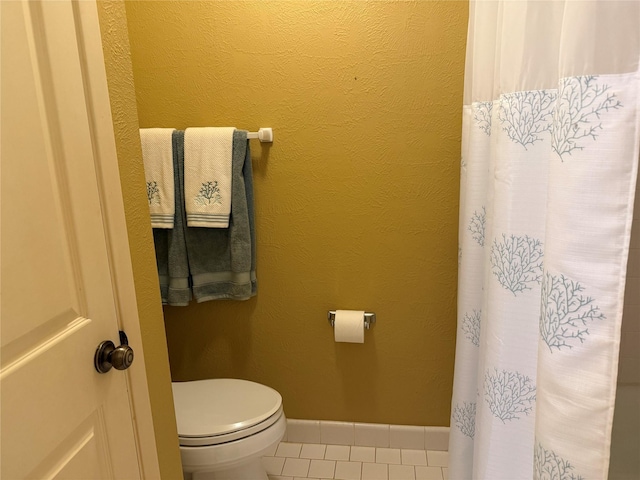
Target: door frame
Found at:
x=103, y=139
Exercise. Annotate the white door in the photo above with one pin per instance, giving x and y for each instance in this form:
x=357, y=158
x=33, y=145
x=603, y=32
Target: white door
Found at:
x=59, y=417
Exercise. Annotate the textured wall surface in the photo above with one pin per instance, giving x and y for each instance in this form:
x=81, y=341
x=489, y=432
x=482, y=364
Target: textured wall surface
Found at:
x=115, y=41
x=629, y=366
x=356, y=201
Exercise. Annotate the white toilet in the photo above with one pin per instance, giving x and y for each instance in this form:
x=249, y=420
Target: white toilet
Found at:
x=225, y=426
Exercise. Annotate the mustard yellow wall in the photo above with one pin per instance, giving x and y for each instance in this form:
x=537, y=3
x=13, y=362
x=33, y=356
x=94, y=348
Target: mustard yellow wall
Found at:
x=113, y=27
x=356, y=201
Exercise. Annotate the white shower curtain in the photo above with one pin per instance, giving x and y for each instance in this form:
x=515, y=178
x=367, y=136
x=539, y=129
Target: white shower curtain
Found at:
x=550, y=145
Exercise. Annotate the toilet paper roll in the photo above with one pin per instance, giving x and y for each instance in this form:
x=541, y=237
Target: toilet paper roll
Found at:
x=349, y=326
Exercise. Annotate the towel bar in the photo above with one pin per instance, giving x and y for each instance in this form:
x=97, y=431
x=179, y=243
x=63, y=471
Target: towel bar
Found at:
x=369, y=318
x=263, y=134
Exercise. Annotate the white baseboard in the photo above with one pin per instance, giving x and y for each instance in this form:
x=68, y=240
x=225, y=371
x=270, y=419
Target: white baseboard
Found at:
x=367, y=434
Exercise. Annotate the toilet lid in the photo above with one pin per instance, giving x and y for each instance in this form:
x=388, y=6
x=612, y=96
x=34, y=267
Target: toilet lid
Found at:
x=207, y=408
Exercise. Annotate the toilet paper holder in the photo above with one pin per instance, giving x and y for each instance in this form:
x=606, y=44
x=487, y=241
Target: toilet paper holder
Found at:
x=369, y=318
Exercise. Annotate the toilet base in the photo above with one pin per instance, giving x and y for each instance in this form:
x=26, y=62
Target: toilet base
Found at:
x=237, y=460
x=253, y=470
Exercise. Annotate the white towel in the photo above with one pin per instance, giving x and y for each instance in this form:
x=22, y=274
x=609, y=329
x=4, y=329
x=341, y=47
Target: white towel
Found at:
x=207, y=176
x=157, y=155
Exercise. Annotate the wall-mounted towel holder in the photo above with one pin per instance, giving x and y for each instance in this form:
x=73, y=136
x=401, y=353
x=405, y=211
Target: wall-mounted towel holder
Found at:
x=265, y=135
x=369, y=318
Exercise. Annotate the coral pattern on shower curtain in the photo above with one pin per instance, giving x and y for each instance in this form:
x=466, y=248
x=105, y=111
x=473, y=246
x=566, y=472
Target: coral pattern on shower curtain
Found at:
x=549, y=166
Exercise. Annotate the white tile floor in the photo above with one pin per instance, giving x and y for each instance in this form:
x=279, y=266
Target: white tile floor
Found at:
x=293, y=461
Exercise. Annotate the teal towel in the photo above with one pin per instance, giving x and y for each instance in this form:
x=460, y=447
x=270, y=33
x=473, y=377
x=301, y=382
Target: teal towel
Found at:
x=170, y=244
x=222, y=261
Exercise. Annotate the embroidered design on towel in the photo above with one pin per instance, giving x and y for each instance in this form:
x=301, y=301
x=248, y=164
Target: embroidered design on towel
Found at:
x=517, y=262
x=464, y=417
x=526, y=116
x=153, y=193
x=565, y=312
x=581, y=102
x=209, y=194
x=509, y=394
x=549, y=466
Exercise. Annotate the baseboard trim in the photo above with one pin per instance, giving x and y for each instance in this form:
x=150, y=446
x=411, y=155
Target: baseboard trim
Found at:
x=367, y=434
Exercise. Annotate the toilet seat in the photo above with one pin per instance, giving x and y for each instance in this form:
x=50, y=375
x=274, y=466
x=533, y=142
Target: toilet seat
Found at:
x=217, y=411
